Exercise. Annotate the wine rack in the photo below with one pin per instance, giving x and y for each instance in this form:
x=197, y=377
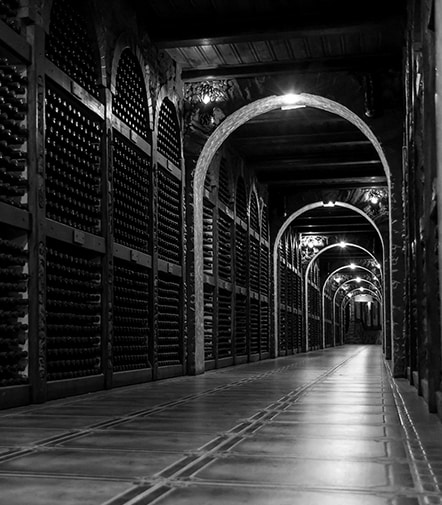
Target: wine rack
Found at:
x=241, y=256
x=265, y=223
x=169, y=320
x=131, y=175
x=169, y=217
x=240, y=325
x=73, y=308
x=208, y=323
x=169, y=143
x=254, y=265
x=241, y=200
x=73, y=163
x=254, y=326
x=13, y=134
x=208, y=237
x=224, y=247
x=224, y=340
x=224, y=192
x=264, y=315
x=70, y=46
x=254, y=214
x=264, y=275
x=282, y=331
x=13, y=310
x=131, y=336
x=130, y=98
x=8, y=13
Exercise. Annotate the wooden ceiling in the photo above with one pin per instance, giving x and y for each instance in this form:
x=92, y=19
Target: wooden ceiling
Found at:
x=347, y=51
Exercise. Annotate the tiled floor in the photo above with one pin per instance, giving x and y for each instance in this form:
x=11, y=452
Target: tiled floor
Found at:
x=328, y=427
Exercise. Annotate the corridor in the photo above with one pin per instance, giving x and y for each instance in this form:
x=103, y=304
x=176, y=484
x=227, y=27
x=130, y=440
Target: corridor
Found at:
x=326, y=427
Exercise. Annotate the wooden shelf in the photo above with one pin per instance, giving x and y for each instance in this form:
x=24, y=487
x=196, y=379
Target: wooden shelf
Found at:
x=69, y=235
x=170, y=268
x=124, y=130
x=15, y=43
x=126, y=253
x=74, y=89
x=169, y=166
x=13, y=216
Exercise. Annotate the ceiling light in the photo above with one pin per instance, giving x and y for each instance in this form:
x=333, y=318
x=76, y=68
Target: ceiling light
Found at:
x=342, y=244
x=328, y=204
x=352, y=266
x=358, y=279
x=361, y=289
x=291, y=101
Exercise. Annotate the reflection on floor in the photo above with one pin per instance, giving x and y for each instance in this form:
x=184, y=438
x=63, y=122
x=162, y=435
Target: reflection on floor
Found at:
x=328, y=427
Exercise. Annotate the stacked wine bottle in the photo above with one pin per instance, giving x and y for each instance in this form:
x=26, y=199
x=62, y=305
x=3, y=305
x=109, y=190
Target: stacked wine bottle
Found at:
x=169, y=217
x=131, y=317
x=73, y=313
x=70, y=46
x=13, y=313
x=131, y=170
x=169, y=323
x=240, y=325
x=224, y=323
x=224, y=247
x=73, y=163
x=208, y=238
x=208, y=323
x=168, y=142
x=13, y=134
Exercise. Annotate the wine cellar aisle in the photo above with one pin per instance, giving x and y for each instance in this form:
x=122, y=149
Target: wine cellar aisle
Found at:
x=93, y=236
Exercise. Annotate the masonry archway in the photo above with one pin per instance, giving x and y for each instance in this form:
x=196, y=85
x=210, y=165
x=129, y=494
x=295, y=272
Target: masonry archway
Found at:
x=215, y=141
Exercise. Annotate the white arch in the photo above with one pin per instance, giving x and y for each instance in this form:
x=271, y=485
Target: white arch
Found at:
x=360, y=267
x=375, y=289
x=279, y=236
x=307, y=272
x=216, y=139
x=346, y=301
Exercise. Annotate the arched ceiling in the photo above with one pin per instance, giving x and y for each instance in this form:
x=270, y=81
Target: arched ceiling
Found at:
x=345, y=51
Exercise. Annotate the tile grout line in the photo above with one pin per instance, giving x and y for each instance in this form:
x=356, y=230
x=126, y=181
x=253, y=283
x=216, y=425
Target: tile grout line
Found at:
x=413, y=444
x=185, y=465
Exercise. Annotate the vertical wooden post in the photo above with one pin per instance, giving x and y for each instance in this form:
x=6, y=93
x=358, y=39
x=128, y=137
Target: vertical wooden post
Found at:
x=37, y=208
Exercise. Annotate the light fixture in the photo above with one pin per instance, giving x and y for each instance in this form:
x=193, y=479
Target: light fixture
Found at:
x=361, y=290
x=358, y=279
x=291, y=101
x=352, y=266
x=342, y=244
x=330, y=203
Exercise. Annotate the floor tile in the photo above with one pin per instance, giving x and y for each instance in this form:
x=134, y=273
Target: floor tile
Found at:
x=57, y=491
x=93, y=463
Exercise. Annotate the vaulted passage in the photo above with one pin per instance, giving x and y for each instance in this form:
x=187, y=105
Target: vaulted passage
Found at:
x=325, y=427
x=220, y=261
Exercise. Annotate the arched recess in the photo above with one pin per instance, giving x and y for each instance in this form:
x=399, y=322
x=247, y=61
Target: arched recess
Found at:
x=215, y=141
x=126, y=43
x=280, y=234
x=340, y=269
x=306, y=278
x=72, y=42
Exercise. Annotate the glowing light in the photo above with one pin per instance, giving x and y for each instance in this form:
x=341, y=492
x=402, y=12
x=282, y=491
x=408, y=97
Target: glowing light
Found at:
x=338, y=279
x=358, y=279
x=361, y=289
x=328, y=204
x=291, y=101
x=352, y=266
x=374, y=200
x=342, y=244
x=205, y=99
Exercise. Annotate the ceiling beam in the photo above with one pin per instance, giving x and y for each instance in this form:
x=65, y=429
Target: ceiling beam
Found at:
x=355, y=63
x=237, y=29
x=336, y=183
x=294, y=165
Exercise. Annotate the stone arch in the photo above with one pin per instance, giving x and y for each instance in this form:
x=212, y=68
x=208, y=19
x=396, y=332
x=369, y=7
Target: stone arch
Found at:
x=216, y=139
